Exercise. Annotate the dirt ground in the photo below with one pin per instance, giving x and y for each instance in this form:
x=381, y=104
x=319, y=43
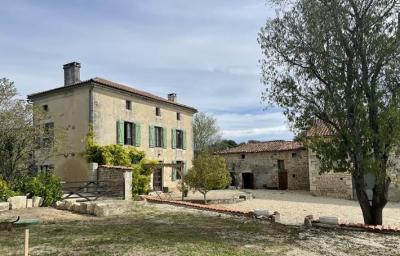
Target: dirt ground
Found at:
x=153, y=229
x=295, y=205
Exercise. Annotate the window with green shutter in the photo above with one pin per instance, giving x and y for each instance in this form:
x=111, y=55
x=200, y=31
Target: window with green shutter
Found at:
x=173, y=138
x=164, y=137
x=184, y=139
x=138, y=137
x=151, y=136
x=173, y=174
x=120, y=132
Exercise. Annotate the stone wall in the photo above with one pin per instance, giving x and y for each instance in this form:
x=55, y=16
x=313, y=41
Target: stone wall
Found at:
x=116, y=179
x=338, y=185
x=264, y=167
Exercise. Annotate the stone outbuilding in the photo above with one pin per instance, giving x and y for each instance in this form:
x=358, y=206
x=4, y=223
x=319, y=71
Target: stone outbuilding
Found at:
x=340, y=184
x=275, y=164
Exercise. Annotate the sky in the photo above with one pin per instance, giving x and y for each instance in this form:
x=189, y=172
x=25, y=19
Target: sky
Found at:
x=204, y=50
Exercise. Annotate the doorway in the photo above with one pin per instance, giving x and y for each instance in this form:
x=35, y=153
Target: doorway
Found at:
x=248, y=180
x=157, y=179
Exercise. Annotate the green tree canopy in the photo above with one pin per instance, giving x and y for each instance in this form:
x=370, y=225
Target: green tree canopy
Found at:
x=205, y=132
x=208, y=173
x=336, y=62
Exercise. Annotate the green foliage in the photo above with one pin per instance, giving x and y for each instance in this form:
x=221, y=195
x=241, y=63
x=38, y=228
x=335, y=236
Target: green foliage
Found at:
x=119, y=155
x=46, y=185
x=5, y=190
x=209, y=172
x=334, y=65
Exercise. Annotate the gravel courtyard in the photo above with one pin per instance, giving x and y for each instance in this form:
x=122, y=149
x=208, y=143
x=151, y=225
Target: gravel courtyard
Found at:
x=295, y=205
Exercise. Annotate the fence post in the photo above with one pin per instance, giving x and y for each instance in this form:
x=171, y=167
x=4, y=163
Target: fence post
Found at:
x=127, y=184
x=26, y=247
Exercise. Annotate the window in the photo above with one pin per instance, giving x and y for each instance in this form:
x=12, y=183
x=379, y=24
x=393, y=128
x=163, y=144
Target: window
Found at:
x=46, y=108
x=128, y=105
x=243, y=156
x=158, y=137
x=158, y=111
x=48, y=134
x=294, y=155
x=178, y=116
x=179, y=139
x=128, y=133
x=281, y=165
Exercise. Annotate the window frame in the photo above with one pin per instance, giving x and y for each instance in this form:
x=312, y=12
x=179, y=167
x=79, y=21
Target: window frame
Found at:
x=179, y=139
x=128, y=105
x=158, y=137
x=129, y=127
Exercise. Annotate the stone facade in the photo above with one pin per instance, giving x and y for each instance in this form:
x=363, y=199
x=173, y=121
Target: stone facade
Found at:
x=340, y=185
x=103, y=104
x=264, y=167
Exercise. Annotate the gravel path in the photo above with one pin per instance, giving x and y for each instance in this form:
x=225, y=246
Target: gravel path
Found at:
x=295, y=205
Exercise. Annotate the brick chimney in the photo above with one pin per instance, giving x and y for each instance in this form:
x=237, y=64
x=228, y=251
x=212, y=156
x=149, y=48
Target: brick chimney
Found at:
x=172, y=97
x=72, y=73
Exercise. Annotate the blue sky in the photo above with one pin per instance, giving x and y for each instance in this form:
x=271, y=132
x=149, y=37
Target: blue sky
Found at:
x=204, y=50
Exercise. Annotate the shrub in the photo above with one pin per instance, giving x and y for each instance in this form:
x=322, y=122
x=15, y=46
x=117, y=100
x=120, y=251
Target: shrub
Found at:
x=5, y=190
x=46, y=185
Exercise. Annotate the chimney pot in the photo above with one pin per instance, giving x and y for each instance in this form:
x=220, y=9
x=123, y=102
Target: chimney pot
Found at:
x=72, y=73
x=172, y=97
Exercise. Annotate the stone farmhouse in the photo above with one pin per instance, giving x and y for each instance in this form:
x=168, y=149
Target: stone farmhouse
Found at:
x=271, y=165
x=289, y=165
x=119, y=114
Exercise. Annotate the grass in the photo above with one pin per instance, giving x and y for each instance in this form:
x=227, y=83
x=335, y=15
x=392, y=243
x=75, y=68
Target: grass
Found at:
x=152, y=230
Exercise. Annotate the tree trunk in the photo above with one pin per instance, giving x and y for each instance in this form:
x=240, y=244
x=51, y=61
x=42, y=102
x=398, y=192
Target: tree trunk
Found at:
x=205, y=200
x=372, y=211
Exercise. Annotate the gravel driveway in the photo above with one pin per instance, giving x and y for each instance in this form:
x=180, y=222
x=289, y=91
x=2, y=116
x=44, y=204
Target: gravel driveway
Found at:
x=295, y=205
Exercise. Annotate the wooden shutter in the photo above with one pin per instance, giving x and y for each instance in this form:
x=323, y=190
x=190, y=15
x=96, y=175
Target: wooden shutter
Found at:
x=173, y=139
x=151, y=136
x=173, y=175
x=164, y=137
x=120, y=132
x=184, y=139
x=137, y=135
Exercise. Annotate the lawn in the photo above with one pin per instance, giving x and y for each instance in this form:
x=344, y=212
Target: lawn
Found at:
x=168, y=230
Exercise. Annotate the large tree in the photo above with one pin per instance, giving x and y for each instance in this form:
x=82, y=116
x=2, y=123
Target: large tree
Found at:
x=20, y=139
x=205, y=131
x=336, y=62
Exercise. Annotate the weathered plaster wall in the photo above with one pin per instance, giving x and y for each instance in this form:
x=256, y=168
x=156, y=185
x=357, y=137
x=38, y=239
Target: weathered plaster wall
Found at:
x=69, y=110
x=109, y=107
x=264, y=167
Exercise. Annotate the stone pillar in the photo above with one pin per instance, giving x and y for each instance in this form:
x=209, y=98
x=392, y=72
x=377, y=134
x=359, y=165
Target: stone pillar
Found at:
x=128, y=185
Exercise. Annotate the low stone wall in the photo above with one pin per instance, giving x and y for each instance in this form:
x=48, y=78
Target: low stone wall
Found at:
x=116, y=177
x=21, y=202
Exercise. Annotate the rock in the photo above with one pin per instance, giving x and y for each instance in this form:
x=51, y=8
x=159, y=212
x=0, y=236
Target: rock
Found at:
x=111, y=208
x=69, y=204
x=4, y=206
x=37, y=201
x=60, y=205
x=275, y=217
x=76, y=207
x=17, y=202
x=308, y=220
x=329, y=220
x=29, y=203
x=261, y=213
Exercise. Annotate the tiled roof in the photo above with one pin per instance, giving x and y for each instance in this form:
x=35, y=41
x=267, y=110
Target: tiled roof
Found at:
x=319, y=129
x=113, y=85
x=268, y=146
